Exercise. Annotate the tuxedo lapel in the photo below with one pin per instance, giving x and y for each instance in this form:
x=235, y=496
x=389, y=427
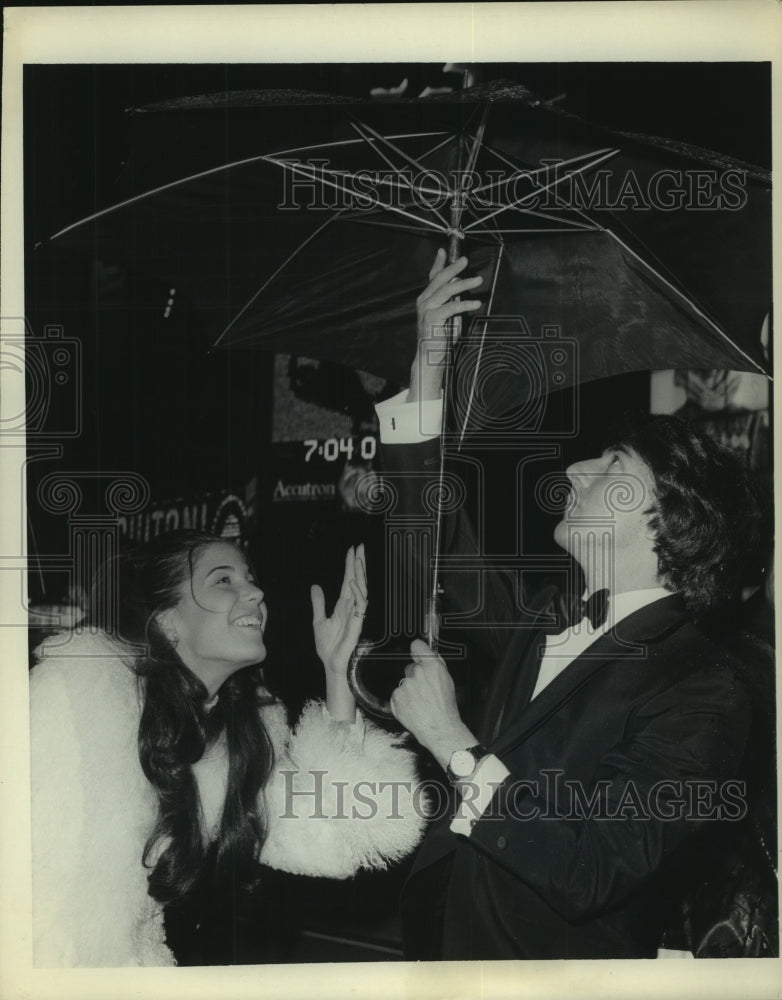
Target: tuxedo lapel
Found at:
x=516, y=659
x=626, y=641
x=518, y=670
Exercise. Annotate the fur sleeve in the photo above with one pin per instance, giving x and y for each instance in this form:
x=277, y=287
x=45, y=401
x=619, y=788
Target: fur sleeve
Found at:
x=92, y=810
x=342, y=797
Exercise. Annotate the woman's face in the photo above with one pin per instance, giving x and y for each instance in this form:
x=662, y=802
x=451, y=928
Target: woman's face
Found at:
x=220, y=618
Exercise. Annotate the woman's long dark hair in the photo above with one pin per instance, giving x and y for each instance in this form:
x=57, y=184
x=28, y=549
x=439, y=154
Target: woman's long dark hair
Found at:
x=176, y=728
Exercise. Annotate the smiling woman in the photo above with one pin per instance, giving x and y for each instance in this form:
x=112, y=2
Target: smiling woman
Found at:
x=160, y=758
x=218, y=624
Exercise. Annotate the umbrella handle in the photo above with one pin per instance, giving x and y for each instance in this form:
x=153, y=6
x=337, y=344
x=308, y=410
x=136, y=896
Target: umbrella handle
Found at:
x=366, y=700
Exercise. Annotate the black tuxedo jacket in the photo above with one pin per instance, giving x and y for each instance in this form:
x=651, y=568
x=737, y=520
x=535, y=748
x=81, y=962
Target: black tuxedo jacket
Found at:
x=618, y=769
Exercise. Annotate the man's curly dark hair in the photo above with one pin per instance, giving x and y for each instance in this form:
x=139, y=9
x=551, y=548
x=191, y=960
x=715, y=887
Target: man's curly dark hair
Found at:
x=706, y=514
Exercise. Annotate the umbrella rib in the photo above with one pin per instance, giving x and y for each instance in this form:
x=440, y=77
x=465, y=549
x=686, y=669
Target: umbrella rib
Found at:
x=266, y=157
x=400, y=228
x=590, y=224
x=551, y=217
x=547, y=229
x=297, y=168
x=395, y=149
x=354, y=175
x=519, y=201
x=687, y=299
x=448, y=138
x=371, y=142
x=356, y=142
x=477, y=142
x=579, y=211
x=520, y=169
x=505, y=160
x=274, y=274
x=482, y=344
x=602, y=154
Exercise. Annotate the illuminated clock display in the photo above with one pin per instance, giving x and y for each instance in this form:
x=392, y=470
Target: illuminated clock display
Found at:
x=331, y=449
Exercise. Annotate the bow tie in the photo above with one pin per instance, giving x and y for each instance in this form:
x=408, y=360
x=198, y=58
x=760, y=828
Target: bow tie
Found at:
x=569, y=611
x=595, y=608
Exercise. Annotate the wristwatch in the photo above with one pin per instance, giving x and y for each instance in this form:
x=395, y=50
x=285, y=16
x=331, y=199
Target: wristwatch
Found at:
x=463, y=763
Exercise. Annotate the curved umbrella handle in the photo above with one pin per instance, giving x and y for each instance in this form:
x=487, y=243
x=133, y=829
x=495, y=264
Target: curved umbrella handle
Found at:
x=366, y=700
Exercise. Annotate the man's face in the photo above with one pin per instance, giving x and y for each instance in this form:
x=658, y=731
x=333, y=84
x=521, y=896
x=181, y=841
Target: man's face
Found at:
x=608, y=499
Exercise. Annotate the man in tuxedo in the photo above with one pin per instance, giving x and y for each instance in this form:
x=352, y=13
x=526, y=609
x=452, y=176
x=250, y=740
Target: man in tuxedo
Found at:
x=609, y=752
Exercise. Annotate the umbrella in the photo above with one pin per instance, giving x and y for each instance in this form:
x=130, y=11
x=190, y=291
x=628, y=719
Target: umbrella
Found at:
x=303, y=224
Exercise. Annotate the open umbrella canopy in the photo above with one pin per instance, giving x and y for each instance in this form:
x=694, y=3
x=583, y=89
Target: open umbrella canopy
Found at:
x=299, y=223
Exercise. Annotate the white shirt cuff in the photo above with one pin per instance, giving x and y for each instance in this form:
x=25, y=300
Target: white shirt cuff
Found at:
x=409, y=423
x=477, y=793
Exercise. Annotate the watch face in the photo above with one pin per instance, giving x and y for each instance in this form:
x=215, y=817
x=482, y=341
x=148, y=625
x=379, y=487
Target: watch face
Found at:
x=462, y=763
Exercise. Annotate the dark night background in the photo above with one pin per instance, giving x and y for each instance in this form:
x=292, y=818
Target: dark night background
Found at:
x=190, y=422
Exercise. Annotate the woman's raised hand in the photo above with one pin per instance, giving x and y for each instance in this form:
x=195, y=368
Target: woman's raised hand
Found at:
x=336, y=637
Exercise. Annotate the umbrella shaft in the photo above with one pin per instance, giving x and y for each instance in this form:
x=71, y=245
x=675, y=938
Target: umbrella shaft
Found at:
x=432, y=619
x=454, y=238
x=432, y=615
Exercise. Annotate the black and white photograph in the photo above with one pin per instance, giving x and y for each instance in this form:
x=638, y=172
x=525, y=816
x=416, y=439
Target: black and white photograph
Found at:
x=389, y=505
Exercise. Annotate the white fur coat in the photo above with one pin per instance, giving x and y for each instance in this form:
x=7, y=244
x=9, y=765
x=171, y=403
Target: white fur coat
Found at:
x=341, y=797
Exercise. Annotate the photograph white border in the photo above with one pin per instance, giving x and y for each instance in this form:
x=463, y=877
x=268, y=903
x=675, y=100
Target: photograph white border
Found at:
x=736, y=30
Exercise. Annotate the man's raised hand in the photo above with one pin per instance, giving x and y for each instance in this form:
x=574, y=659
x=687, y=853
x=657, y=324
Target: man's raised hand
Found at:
x=436, y=304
